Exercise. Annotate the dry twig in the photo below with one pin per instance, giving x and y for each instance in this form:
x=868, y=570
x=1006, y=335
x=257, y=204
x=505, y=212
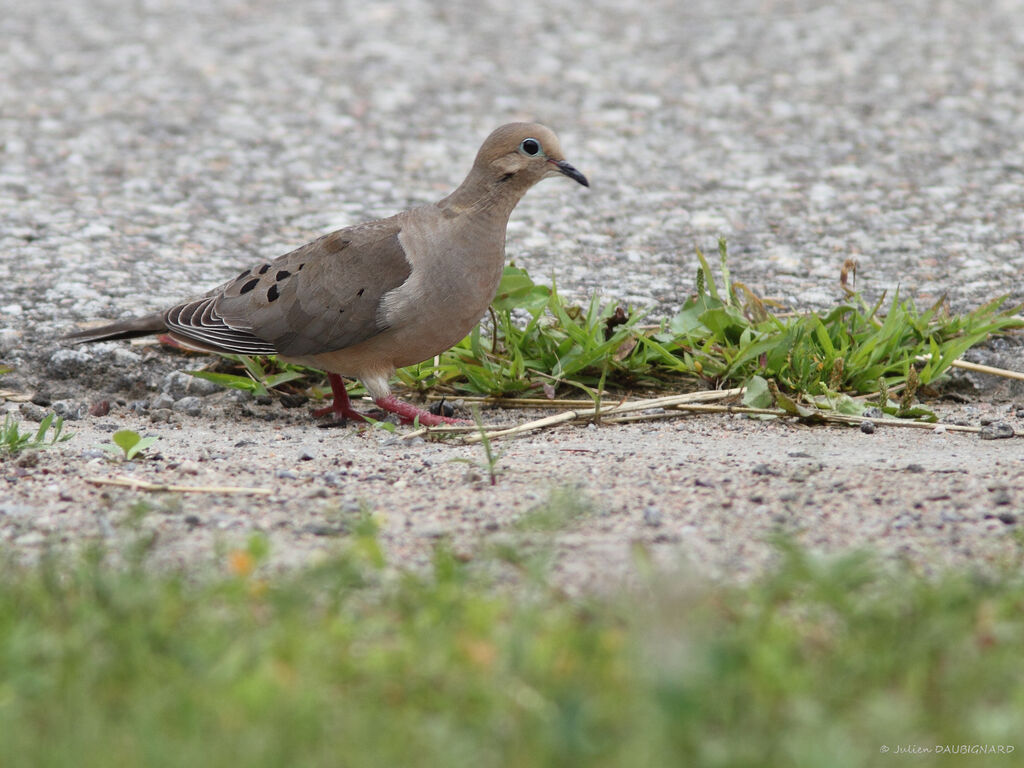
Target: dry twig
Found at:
x=144, y=485
x=627, y=407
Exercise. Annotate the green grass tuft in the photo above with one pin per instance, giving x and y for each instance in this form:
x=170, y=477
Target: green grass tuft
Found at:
x=724, y=335
x=13, y=441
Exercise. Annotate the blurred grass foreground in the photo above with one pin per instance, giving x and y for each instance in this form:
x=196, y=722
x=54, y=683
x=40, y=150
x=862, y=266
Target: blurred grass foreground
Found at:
x=106, y=660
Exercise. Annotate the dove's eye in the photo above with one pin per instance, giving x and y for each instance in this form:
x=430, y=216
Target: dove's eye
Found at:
x=530, y=147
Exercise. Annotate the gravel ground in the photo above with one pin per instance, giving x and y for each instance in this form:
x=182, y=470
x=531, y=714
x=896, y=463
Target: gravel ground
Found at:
x=149, y=149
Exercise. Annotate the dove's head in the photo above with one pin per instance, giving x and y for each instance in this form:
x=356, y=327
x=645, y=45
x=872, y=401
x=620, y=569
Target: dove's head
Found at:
x=521, y=154
x=512, y=159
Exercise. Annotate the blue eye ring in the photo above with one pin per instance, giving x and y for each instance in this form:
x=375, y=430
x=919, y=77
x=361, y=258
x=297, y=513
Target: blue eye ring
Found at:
x=530, y=147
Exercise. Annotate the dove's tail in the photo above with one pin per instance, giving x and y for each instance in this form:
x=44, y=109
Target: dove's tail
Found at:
x=123, y=329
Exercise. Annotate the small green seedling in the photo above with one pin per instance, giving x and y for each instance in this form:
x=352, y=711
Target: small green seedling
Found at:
x=13, y=441
x=126, y=444
x=491, y=459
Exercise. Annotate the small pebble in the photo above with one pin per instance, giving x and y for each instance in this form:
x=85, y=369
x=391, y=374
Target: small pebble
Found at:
x=190, y=405
x=996, y=431
x=32, y=412
x=873, y=412
x=193, y=521
x=915, y=468
x=178, y=384
x=764, y=469
x=320, y=529
x=1007, y=518
x=28, y=459
x=1001, y=497
x=163, y=400
x=160, y=415
x=70, y=410
x=652, y=516
x=68, y=363
x=293, y=401
x=433, y=531
x=305, y=456
x=99, y=408
x=442, y=408
x=867, y=427
x=286, y=474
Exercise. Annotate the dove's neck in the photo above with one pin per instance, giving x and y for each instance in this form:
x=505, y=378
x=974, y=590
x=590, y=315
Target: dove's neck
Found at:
x=483, y=195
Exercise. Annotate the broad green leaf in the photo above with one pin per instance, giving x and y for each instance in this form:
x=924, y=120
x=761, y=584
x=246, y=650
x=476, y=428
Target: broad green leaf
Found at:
x=125, y=439
x=757, y=395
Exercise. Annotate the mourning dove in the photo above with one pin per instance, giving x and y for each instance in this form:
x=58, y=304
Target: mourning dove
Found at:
x=365, y=300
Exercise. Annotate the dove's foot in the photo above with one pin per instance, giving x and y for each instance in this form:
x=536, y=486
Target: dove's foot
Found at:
x=342, y=406
x=410, y=413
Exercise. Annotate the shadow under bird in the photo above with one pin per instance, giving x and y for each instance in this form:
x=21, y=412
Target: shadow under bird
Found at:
x=368, y=299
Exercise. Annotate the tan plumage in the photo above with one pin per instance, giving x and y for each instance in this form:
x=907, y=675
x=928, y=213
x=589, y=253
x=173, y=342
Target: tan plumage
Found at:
x=365, y=300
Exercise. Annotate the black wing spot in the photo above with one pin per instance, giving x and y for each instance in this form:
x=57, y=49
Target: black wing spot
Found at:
x=300, y=267
x=505, y=178
x=282, y=275
x=250, y=285
x=340, y=311
x=360, y=292
x=272, y=293
x=264, y=268
x=244, y=273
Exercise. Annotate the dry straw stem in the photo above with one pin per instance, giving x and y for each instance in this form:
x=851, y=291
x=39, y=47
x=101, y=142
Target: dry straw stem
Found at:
x=520, y=402
x=676, y=405
x=143, y=485
x=621, y=408
x=838, y=418
x=677, y=408
x=560, y=418
x=979, y=368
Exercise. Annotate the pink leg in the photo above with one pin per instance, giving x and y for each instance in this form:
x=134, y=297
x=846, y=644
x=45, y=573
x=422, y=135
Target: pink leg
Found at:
x=409, y=412
x=342, y=406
